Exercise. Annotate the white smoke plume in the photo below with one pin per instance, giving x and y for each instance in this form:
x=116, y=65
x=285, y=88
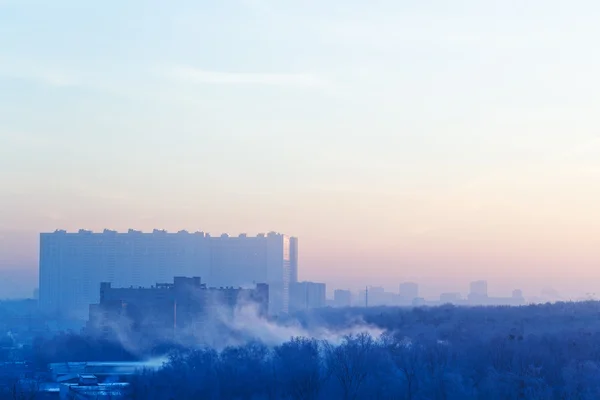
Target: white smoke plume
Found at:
x=247, y=321
x=224, y=327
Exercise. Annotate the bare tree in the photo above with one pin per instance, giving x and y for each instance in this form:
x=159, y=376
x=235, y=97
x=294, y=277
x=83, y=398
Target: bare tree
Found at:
x=407, y=358
x=350, y=363
x=300, y=368
x=30, y=389
x=21, y=389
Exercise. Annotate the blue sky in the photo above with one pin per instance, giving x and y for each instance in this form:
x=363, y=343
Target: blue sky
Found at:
x=430, y=124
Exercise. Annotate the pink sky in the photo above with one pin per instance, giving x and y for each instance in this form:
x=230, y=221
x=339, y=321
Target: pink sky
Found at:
x=437, y=143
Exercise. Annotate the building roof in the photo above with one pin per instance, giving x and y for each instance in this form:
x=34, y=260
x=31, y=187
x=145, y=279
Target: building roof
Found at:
x=102, y=390
x=71, y=370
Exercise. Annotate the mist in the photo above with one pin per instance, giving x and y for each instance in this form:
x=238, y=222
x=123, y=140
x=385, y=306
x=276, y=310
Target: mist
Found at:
x=408, y=193
x=221, y=328
x=437, y=273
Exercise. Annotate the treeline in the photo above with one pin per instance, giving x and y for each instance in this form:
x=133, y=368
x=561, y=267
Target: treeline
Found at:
x=389, y=367
x=548, y=351
x=73, y=347
x=542, y=352
x=448, y=321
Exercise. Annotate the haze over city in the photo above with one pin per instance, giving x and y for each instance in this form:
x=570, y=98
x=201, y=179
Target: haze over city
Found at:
x=299, y=200
x=429, y=142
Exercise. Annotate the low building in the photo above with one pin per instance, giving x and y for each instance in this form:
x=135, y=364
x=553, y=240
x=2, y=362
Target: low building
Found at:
x=66, y=372
x=451, y=298
x=307, y=295
x=376, y=296
x=88, y=387
x=342, y=298
x=478, y=293
x=168, y=310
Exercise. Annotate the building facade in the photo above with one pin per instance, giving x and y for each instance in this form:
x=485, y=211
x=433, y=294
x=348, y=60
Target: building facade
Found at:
x=169, y=310
x=72, y=265
x=307, y=295
x=478, y=292
x=342, y=298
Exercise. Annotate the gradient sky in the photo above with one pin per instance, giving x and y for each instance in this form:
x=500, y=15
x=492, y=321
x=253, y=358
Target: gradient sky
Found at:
x=430, y=140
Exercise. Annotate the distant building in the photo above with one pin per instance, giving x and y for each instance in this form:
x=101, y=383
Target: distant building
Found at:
x=293, y=259
x=306, y=295
x=478, y=293
x=505, y=301
x=377, y=296
x=419, y=301
x=409, y=291
x=479, y=288
x=165, y=310
x=452, y=298
x=72, y=265
x=375, y=290
x=89, y=380
x=342, y=298
x=105, y=370
x=517, y=297
x=478, y=296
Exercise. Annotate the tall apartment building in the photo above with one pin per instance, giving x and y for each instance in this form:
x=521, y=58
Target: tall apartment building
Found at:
x=72, y=265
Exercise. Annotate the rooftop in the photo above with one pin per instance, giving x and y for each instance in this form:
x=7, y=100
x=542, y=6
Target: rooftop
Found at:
x=103, y=368
x=157, y=232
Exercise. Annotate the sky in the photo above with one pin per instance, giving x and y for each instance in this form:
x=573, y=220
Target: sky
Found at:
x=399, y=140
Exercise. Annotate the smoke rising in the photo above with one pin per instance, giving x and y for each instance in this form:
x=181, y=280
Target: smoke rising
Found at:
x=224, y=327
x=252, y=327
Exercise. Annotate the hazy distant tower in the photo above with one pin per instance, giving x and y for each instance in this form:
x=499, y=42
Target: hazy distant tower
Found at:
x=478, y=293
x=479, y=288
x=293, y=260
